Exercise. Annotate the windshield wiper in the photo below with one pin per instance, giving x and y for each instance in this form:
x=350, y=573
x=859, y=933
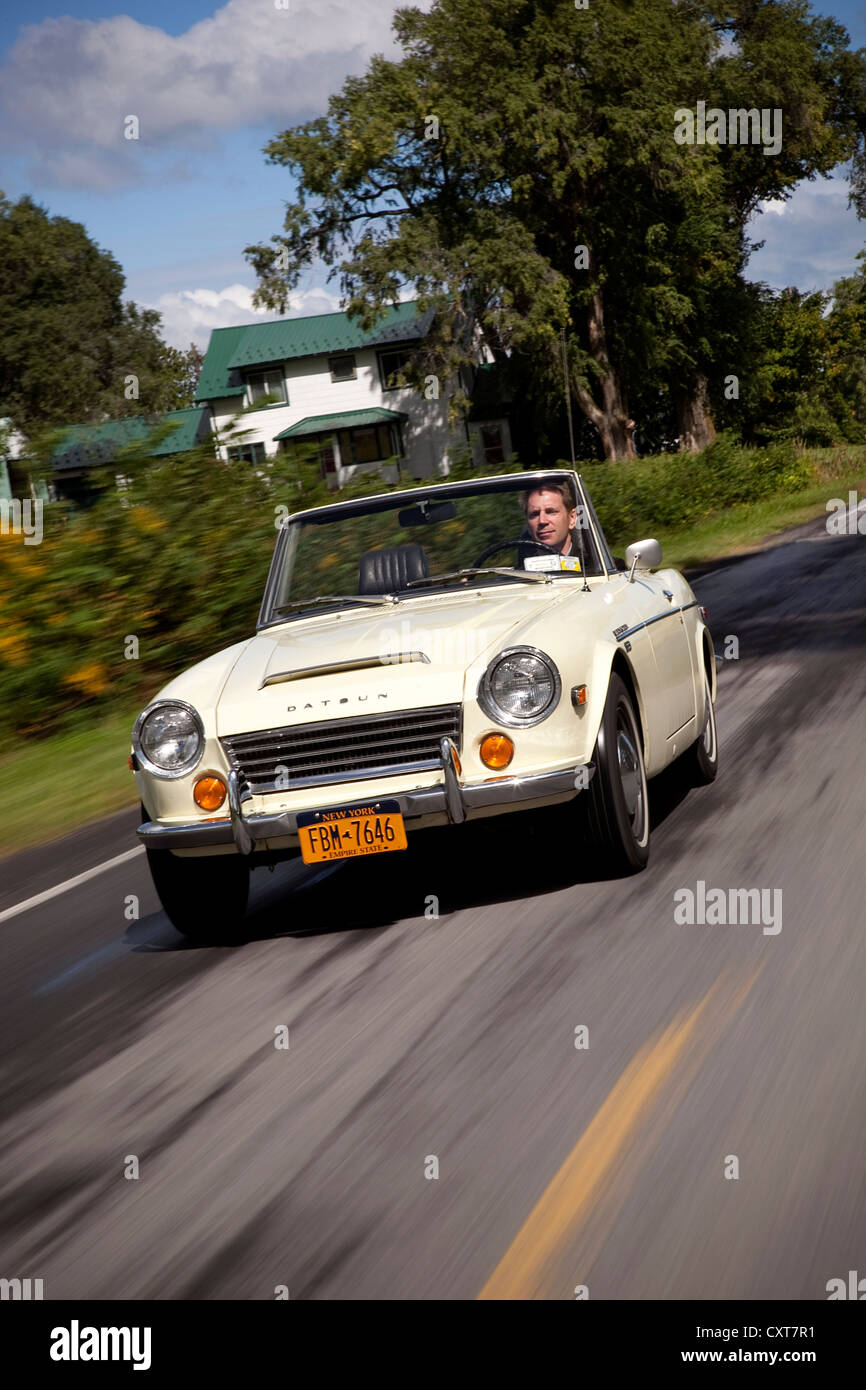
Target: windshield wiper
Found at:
x=375, y=599
x=527, y=576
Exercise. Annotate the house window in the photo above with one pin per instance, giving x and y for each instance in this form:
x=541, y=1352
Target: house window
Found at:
x=369, y=444
x=247, y=453
x=267, y=388
x=491, y=444
x=343, y=368
x=391, y=365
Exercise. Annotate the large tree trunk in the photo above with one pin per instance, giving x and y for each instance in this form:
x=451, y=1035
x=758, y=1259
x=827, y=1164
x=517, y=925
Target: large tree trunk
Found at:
x=694, y=422
x=611, y=418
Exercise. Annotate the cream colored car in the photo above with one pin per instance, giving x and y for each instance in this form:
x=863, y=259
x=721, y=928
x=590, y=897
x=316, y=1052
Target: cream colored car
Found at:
x=425, y=658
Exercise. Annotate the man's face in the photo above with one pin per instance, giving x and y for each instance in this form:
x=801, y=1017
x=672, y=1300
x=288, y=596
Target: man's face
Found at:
x=548, y=518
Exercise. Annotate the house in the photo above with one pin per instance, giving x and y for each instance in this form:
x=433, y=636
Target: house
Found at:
x=15, y=479
x=84, y=447
x=325, y=380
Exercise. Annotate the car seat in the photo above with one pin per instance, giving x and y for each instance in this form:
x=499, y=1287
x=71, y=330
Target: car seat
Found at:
x=391, y=568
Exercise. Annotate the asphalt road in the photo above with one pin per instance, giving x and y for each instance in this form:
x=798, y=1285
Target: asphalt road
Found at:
x=414, y=1037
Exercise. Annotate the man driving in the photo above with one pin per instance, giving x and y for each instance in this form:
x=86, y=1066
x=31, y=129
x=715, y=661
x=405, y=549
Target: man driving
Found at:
x=551, y=516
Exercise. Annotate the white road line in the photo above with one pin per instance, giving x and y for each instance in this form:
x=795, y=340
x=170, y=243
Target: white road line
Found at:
x=70, y=883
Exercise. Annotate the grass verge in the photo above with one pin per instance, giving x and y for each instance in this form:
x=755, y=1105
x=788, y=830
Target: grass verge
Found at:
x=749, y=525
x=54, y=785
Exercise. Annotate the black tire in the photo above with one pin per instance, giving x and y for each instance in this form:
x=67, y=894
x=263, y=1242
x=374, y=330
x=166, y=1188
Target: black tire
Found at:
x=617, y=804
x=701, y=760
x=205, y=899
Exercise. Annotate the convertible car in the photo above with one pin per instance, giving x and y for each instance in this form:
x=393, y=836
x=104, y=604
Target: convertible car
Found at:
x=423, y=658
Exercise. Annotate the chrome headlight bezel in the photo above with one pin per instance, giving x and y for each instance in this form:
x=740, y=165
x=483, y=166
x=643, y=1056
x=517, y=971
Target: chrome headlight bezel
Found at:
x=168, y=774
x=487, y=699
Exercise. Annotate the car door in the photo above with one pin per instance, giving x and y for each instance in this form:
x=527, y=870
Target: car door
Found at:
x=661, y=610
x=650, y=625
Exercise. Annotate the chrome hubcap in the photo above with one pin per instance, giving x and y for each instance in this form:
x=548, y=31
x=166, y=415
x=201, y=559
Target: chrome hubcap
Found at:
x=629, y=769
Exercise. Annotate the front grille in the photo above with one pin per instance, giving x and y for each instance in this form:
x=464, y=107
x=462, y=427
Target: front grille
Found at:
x=342, y=750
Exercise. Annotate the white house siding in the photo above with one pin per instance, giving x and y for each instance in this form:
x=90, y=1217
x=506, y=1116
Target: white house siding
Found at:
x=428, y=442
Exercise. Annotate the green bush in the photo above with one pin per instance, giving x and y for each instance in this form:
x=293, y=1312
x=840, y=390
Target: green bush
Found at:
x=673, y=490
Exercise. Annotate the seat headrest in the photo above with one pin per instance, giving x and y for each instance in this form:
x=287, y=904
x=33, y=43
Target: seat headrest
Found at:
x=383, y=571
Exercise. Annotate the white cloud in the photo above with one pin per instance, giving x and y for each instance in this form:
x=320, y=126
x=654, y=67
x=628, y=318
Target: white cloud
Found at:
x=68, y=85
x=190, y=316
x=812, y=241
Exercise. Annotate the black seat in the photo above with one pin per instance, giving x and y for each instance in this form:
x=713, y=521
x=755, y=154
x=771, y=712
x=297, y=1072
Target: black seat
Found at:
x=391, y=568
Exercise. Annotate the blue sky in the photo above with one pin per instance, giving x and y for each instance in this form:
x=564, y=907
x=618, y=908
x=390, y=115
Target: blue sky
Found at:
x=210, y=84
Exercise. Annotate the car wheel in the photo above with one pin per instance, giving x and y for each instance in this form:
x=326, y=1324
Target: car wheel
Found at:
x=701, y=760
x=205, y=899
x=617, y=804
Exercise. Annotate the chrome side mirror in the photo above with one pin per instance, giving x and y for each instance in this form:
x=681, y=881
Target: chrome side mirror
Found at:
x=645, y=555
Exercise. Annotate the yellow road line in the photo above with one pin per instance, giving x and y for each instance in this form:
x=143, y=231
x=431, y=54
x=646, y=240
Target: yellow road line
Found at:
x=576, y=1187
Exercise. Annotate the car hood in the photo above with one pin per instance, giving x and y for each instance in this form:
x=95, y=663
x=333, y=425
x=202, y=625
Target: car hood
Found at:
x=282, y=676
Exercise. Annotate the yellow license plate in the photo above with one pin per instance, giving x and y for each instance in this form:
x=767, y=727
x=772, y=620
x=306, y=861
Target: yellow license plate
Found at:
x=348, y=831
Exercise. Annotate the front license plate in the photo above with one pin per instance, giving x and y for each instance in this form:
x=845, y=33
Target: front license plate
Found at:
x=348, y=831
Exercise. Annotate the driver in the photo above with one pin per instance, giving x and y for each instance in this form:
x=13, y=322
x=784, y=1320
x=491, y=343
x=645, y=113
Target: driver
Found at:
x=551, y=516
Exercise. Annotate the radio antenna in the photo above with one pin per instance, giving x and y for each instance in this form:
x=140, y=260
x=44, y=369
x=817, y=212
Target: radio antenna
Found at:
x=580, y=509
x=567, y=395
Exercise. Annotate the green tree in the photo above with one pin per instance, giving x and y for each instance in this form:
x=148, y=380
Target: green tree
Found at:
x=69, y=343
x=778, y=390
x=479, y=167
x=845, y=334
x=779, y=58
x=511, y=135
x=143, y=374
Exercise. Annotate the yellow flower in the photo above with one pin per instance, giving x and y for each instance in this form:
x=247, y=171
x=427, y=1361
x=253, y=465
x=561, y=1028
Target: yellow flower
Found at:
x=91, y=680
x=148, y=519
x=13, y=648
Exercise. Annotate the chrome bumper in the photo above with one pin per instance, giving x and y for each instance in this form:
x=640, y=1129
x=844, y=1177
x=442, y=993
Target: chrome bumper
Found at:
x=452, y=798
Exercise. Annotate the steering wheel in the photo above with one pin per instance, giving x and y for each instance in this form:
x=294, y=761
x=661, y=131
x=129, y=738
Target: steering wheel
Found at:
x=521, y=540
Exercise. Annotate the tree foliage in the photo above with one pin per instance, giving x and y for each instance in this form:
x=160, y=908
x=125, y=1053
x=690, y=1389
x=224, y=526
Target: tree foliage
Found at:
x=510, y=134
x=69, y=344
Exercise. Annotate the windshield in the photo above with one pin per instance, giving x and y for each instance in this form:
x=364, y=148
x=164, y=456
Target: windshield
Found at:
x=517, y=530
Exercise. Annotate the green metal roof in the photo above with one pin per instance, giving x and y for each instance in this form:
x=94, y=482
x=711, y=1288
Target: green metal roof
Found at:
x=83, y=446
x=215, y=378
x=258, y=344
x=346, y=420
x=187, y=427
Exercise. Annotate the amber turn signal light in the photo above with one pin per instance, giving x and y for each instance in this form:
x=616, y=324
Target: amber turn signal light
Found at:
x=578, y=696
x=497, y=750
x=209, y=793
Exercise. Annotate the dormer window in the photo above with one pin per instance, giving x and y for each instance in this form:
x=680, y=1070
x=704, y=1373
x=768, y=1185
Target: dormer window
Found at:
x=267, y=388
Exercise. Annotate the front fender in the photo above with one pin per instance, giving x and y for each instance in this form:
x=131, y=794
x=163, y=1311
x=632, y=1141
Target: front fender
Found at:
x=609, y=658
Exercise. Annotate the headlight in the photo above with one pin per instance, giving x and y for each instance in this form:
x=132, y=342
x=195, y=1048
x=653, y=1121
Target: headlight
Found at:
x=520, y=687
x=168, y=738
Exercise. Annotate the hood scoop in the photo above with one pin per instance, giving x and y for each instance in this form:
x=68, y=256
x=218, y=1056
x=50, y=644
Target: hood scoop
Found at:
x=332, y=668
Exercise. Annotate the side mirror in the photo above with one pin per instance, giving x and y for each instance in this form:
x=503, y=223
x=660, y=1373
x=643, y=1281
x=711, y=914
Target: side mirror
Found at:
x=645, y=555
